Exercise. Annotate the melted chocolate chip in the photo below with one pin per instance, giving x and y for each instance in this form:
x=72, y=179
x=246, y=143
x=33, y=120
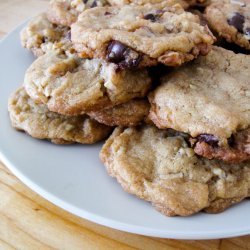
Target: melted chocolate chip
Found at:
x=116, y=52
x=154, y=17
x=107, y=13
x=85, y=1
x=150, y=17
x=94, y=4
x=209, y=139
x=122, y=55
x=68, y=36
x=247, y=31
x=231, y=141
x=45, y=39
x=237, y=20
x=132, y=63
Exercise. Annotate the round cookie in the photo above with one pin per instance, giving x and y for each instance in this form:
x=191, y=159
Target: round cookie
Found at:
x=40, y=36
x=163, y=169
x=138, y=36
x=231, y=20
x=208, y=99
x=74, y=86
x=37, y=121
x=65, y=12
x=131, y=113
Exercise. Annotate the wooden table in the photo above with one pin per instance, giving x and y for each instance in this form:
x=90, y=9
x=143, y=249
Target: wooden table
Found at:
x=27, y=221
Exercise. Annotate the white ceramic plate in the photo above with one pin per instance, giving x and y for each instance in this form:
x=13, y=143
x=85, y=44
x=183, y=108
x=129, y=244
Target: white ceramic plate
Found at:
x=73, y=177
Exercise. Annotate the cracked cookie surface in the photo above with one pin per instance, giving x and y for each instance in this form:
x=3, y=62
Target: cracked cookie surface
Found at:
x=65, y=12
x=231, y=20
x=41, y=36
x=139, y=36
x=37, y=121
x=73, y=86
x=131, y=113
x=163, y=169
x=210, y=100
x=184, y=3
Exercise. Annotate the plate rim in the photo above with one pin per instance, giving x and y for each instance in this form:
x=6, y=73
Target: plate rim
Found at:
x=110, y=223
x=115, y=224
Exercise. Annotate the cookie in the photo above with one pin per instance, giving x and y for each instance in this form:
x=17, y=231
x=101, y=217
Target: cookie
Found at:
x=231, y=20
x=184, y=3
x=199, y=3
x=131, y=113
x=73, y=86
x=37, y=121
x=159, y=166
x=139, y=36
x=65, y=12
x=210, y=100
x=40, y=36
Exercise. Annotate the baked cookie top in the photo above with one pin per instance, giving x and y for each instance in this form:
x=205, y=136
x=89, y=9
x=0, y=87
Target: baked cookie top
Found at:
x=184, y=3
x=36, y=120
x=137, y=36
x=73, y=86
x=65, y=12
x=131, y=113
x=231, y=20
x=40, y=36
x=209, y=96
x=163, y=169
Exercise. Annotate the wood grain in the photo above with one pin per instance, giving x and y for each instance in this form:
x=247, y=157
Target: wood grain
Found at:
x=27, y=221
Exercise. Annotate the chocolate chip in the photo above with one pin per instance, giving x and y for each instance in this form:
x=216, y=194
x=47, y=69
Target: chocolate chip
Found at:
x=154, y=17
x=116, y=51
x=237, y=20
x=132, y=63
x=150, y=17
x=85, y=1
x=122, y=55
x=247, y=31
x=68, y=35
x=45, y=39
x=107, y=13
x=231, y=141
x=209, y=139
x=94, y=4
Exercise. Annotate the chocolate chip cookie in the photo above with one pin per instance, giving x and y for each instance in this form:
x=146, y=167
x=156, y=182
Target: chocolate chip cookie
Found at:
x=210, y=100
x=40, y=36
x=184, y=3
x=231, y=20
x=65, y=12
x=36, y=120
x=138, y=36
x=159, y=166
x=73, y=86
x=127, y=114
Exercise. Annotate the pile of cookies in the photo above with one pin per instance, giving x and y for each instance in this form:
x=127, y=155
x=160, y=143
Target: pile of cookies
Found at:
x=151, y=76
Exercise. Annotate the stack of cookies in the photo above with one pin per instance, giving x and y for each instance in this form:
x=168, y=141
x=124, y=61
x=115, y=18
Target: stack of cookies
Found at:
x=178, y=106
